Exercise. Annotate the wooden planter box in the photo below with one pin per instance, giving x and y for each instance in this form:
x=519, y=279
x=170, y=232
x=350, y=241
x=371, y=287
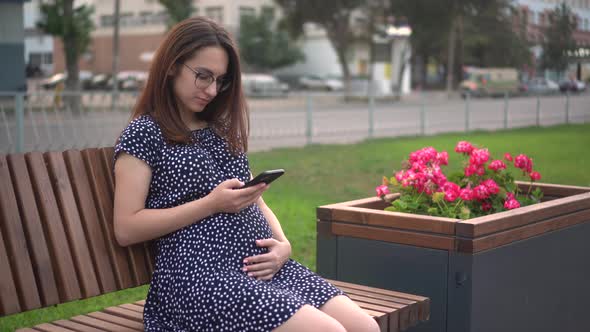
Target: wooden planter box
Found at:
x=522, y=270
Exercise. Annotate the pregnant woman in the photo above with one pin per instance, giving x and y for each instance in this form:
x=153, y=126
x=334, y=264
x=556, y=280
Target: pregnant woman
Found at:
x=222, y=259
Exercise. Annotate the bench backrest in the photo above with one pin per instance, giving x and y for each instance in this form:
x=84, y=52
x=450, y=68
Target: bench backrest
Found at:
x=56, y=231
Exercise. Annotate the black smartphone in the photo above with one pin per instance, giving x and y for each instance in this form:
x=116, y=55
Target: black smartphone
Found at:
x=266, y=177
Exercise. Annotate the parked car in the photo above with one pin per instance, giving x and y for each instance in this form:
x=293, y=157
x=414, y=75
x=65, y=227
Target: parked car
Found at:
x=101, y=82
x=540, y=85
x=263, y=85
x=131, y=80
x=315, y=82
x=572, y=85
x=51, y=82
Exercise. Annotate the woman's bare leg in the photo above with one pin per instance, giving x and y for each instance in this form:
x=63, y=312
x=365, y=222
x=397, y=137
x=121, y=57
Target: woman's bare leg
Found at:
x=350, y=315
x=309, y=318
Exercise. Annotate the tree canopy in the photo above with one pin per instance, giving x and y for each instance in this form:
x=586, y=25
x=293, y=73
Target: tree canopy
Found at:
x=332, y=15
x=177, y=10
x=467, y=32
x=73, y=25
x=558, y=38
x=264, y=47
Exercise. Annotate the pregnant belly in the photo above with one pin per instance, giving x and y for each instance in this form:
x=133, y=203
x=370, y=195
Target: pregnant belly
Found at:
x=221, y=241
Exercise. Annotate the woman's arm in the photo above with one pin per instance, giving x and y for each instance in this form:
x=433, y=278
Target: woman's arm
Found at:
x=134, y=223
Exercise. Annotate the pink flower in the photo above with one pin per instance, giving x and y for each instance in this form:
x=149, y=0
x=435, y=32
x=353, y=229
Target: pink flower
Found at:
x=479, y=156
x=423, y=156
x=464, y=147
x=429, y=153
x=466, y=194
x=510, y=204
x=399, y=176
x=523, y=162
x=480, y=170
x=474, y=169
x=492, y=186
x=437, y=176
x=497, y=165
x=470, y=170
x=481, y=192
x=488, y=185
x=382, y=190
x=442, y=158
x=451, y=190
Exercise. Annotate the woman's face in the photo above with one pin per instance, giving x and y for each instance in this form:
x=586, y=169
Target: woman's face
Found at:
x=191, y=94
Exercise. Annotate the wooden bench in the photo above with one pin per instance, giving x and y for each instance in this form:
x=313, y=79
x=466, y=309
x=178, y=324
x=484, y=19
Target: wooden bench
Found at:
x=57, y=245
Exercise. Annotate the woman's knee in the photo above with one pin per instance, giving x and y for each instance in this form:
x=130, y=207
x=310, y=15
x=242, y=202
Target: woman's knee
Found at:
x=350, y=315
x=308, y=318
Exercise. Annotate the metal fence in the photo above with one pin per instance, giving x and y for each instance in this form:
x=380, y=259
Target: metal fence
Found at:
x=43, y=122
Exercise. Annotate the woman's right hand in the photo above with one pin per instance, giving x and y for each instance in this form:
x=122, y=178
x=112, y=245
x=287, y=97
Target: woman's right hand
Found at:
x=229, y=198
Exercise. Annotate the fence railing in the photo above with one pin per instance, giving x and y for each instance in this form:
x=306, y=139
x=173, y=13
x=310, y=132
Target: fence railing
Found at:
x=44, y=121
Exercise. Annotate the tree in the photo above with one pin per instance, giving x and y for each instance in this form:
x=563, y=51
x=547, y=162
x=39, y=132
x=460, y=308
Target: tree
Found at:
x=430, y=22
x=489, y=27
x=177, y=10
x=461, y=32
x=263, y=47
x=332, y=15
x=558, y=38
x=59, y=18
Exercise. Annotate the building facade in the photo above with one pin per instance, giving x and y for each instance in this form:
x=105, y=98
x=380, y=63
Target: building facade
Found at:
x=38, y=45
x=142, y=26
x=536, y=14
x=12, y=65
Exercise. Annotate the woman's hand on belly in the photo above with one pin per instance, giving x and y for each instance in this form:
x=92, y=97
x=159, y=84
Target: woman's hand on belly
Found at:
x=265, y=266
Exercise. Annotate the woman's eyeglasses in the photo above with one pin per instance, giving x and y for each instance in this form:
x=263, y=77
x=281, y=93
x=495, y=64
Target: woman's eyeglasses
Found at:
x=203, y=80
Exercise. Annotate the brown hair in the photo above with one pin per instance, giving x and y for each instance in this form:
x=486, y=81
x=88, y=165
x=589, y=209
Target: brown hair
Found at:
x=227, y=113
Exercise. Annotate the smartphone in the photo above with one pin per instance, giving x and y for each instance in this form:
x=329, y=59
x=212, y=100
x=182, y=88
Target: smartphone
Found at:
x=266, y=177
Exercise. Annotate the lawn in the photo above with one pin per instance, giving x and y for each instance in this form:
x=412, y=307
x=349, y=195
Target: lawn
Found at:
x=318, y=175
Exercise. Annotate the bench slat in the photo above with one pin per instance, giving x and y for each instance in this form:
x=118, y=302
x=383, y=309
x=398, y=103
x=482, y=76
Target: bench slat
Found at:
x=75, y=326
x=135, y=325
x=138, y=259
x=381, y=318
x=408, y=312
x=100, y=324
x=132, y=307
x=90, y=221
x=423, y=302
x=51, y=328
x=67, y=280
x=15, y=242
x=118, y=254
x=72, y=224
x=125, y=313
x=36, y=239
x=15, y=246
x=8, y=298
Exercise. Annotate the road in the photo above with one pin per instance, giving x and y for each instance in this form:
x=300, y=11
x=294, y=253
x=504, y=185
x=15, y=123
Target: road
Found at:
x=287, y=122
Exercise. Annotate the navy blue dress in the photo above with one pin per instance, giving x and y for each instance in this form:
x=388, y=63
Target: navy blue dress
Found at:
x=198, y=283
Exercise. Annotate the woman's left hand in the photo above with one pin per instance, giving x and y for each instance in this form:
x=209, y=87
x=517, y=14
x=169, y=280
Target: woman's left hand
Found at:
x=265, y=266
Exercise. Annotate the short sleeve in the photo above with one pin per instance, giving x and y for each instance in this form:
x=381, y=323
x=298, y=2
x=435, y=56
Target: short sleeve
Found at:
x=142, y=138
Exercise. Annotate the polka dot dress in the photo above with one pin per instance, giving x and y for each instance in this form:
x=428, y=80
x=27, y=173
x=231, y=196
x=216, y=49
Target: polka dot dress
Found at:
x=198, y=283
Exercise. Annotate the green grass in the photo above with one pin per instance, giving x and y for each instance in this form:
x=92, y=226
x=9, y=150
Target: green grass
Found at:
x=318, y=175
